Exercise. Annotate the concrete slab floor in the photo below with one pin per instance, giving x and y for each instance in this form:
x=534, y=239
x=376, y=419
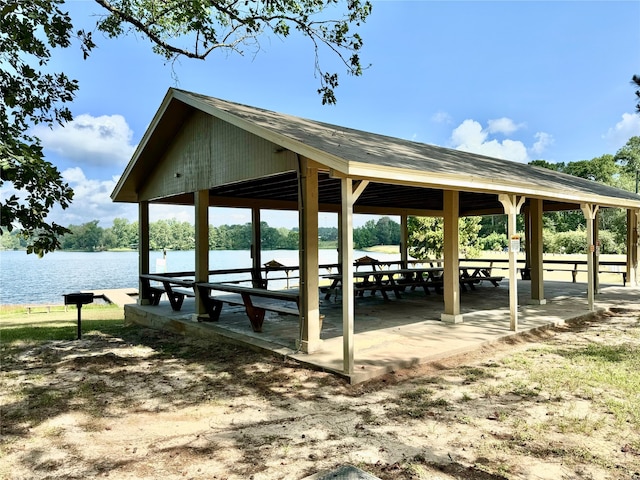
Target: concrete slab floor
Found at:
x=399, y=333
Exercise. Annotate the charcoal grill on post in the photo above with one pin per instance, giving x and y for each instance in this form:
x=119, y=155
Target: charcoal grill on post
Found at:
x=78, y=299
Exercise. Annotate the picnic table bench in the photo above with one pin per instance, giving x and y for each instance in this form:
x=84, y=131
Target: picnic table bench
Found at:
x=176, y=289
x=420, y=278
x=45, y=308
x=479, y=274
x=401, y=279
x=364, y=281
x=256, y=301
x=606, y=267
x=553, y=265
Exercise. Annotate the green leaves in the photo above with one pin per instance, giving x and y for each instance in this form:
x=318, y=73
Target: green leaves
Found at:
x=28, y=31
x=196, y=28
x=426, y=237
x=629, y=155
x=635, y=80
x=31, y=94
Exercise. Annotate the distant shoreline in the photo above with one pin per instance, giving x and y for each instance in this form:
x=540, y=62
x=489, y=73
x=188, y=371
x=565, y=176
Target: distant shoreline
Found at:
x=324, y=246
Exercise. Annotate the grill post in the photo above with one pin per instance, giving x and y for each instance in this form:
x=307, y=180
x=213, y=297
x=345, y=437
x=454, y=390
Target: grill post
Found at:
x=78, y=299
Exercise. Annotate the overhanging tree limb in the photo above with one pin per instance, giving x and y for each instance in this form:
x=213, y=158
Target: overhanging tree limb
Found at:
x=197, y=28
x=29, y=95
x=636, y=80
x=31, y=185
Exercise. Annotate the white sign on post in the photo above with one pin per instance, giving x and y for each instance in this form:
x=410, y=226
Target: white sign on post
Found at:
x=161, y=265
x=515, y=244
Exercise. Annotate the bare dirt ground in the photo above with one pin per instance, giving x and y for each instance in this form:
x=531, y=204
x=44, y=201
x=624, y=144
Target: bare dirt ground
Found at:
x=149, y=405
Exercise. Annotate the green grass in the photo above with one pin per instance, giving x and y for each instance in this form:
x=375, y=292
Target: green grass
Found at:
x=61, y=331
x=10, y=314
x=608, y=375
x=419, y=403
x=474, y=374
x=615, y=369
x=577, y=388
x=18, y=326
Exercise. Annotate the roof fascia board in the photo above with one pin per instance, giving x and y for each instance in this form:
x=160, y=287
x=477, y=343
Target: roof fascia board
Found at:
x=341, y=167
x=472, y=184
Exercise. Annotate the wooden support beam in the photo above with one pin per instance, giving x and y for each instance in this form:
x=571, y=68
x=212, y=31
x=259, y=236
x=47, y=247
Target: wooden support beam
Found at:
x=534, y=240
x=346, y=253
x=526, y=211
x=632, y=246
x=596, y=252
x=309, y=341
x=451, y=255
x=404, y=240
x=201, y=203
x=359, y=187
x=256, y=248
x=143, y=246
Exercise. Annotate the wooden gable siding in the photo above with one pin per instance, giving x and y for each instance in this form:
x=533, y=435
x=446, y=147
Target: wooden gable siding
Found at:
x=208, y=152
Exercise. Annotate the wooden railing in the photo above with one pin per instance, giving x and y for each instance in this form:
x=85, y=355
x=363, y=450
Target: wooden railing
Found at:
x=265, y=276
x=554, y=265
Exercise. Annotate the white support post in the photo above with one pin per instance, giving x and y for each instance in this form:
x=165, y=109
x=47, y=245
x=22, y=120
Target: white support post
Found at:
x=512, y=205
x=589, y=210
x=309, y=341
x=346, y=251
x=350, y=191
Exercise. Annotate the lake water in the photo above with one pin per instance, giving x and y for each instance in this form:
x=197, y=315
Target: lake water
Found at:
x=27, y=279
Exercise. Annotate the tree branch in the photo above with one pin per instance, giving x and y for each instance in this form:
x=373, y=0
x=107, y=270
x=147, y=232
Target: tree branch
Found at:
x=240, y=22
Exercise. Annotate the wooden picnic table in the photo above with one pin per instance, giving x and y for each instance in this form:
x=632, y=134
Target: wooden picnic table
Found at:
x=176, y=289
x=397, y=280
x=255, y=300
x=474, y=275
x=366, y=280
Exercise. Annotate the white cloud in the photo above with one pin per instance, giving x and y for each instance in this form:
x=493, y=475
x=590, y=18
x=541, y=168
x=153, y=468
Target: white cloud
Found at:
x=626, y=128
x=468, y=132
x=104, y=140
x=503, y=125
x=171, y=212
x=441, y=117
x=543, y=140
x=469, y=136
x=91, y=201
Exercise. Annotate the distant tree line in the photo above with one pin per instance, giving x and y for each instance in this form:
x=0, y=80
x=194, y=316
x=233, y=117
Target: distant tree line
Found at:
x=564, y=232
x=176, y=235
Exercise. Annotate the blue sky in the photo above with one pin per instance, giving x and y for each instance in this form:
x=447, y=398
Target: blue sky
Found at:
x=512, y=79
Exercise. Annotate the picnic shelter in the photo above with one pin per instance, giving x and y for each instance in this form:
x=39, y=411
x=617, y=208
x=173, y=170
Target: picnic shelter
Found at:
x=206, y=152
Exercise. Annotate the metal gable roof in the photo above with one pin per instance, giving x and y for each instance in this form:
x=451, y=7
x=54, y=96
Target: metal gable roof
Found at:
x=378, y=158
